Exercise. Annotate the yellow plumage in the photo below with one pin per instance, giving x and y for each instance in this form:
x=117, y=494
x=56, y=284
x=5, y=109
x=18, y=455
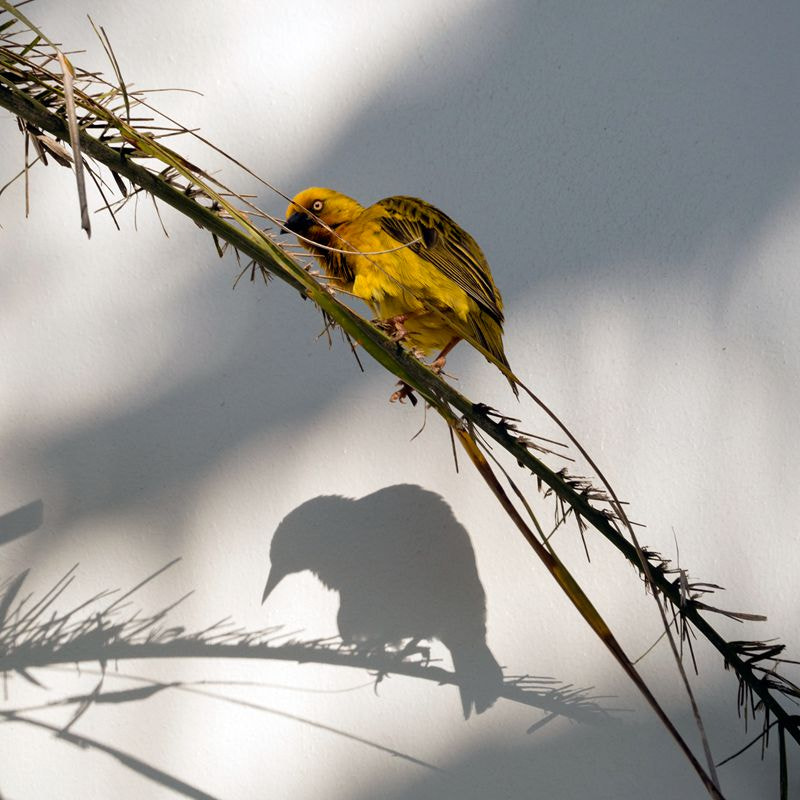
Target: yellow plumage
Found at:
x=411, y=263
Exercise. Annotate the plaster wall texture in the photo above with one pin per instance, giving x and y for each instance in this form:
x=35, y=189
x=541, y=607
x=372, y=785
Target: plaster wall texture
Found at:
x=632, y=172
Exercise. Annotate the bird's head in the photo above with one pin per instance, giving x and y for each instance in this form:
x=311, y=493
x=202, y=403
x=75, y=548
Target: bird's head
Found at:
x=302, y=541
x=315, y=211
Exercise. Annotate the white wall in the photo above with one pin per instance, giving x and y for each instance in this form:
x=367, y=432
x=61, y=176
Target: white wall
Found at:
x=631, y=171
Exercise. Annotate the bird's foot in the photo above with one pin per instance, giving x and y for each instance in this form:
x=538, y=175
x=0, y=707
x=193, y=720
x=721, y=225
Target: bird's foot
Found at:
x=405, y=392
x=394, y=326
x=414, y=648
x=437, y=368
x=379, y=676
x=394, y=658
x=377, y=652
x=437, y=365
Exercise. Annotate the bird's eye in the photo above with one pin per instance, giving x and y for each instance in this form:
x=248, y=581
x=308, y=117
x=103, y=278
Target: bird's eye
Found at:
x=317, y=205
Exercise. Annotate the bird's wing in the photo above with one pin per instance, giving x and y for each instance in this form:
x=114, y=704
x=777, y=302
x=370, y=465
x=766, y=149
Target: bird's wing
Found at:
x=444, y=244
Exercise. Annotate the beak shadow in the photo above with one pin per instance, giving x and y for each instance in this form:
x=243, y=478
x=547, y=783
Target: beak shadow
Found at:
x=272, y=581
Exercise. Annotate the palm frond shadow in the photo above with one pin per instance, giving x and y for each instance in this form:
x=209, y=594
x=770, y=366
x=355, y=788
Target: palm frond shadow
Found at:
x=133, y=763
x=33, y=637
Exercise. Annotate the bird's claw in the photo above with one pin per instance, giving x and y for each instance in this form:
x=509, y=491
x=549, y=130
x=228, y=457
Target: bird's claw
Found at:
x=397, y=657
x=403, y=393
x=393, y=326
x=379, y=676
x=416, y=649
x=437, y=365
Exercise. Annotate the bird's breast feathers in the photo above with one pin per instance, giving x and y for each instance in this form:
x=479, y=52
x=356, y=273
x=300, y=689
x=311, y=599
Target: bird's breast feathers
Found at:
x=395, y=278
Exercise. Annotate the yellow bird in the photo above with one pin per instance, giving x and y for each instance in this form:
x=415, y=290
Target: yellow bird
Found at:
x=422, y=275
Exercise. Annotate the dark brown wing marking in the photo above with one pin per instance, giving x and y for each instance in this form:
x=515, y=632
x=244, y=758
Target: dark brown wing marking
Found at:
x=445, y=245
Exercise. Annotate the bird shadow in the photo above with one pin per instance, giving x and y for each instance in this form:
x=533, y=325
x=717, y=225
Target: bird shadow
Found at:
x=36, y=638
x=405, y=572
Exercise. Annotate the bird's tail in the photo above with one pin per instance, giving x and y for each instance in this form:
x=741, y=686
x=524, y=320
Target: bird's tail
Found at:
x=503, y=365
x=480, y=679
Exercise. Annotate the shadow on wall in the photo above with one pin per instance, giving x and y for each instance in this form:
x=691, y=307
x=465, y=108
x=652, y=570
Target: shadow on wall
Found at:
x=565, y=142
x=568, y=140
x=405, y=571
x=22, y=520
x=619, y=760
x=108, y=628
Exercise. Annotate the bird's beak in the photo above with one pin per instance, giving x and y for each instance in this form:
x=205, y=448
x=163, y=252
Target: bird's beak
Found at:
x=273, y=579
x=298, y=222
